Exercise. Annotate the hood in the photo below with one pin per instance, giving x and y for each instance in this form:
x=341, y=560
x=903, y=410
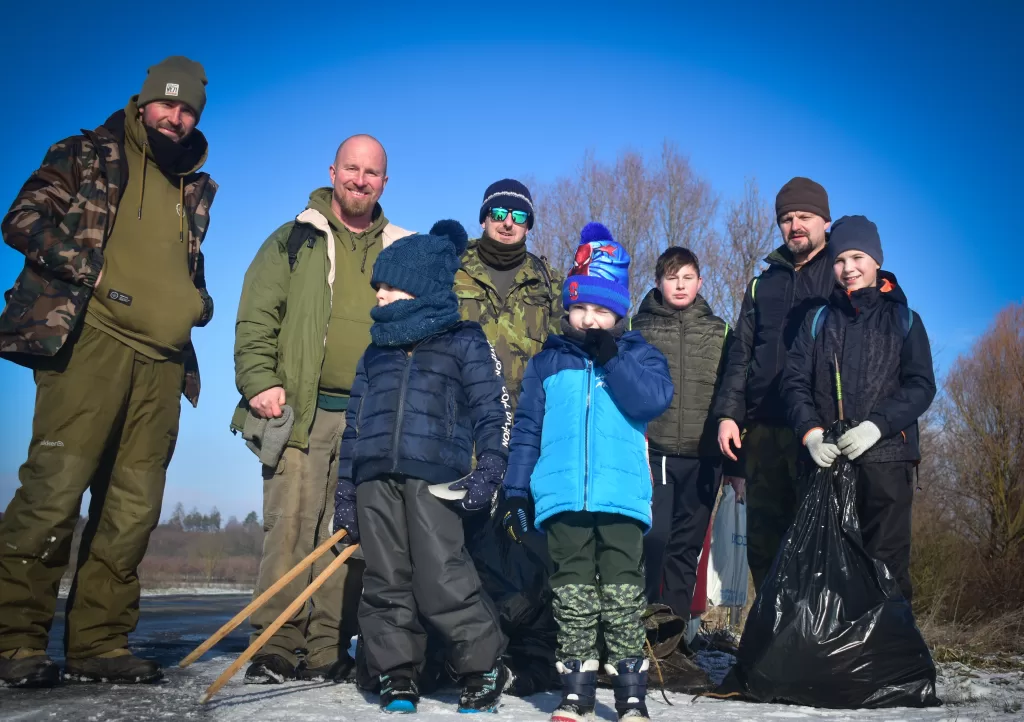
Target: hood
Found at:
x=654, y=304
x=174, y=159
x=887, y=290
x=320, y=201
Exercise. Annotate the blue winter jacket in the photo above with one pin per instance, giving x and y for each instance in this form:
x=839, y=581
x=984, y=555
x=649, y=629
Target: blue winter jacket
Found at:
x=419, y=411
x=579, y=443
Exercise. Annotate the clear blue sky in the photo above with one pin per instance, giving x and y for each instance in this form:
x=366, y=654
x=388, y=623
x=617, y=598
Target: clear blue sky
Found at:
x=912, y=118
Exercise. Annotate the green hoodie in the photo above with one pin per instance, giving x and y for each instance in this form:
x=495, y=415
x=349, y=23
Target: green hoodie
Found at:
x=305, y=328
x=146, y=298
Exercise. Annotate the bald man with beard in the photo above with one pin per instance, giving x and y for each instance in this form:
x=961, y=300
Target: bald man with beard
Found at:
x=303, y=322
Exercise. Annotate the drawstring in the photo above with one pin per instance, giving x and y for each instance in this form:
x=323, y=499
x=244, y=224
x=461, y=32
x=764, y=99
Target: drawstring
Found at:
x=181, y=209
x=366, y=251
x=663, y=480
x=142, y=184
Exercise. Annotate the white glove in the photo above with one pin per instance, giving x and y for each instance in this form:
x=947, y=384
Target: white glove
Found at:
x=859, y=439
x=822, y=453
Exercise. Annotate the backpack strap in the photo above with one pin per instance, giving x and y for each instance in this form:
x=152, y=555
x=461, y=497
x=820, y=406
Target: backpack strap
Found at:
x=818, y=321
x=300, y=233
x=725, y=334
x=753, y=288
x=906, y=323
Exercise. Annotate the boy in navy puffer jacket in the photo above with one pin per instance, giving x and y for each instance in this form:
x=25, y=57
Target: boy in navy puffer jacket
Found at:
x=579, y=449
x=427, y=390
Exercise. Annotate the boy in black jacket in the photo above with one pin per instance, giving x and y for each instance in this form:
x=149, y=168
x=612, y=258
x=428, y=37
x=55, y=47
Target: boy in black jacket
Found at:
x=427, y=389
x=885, y=364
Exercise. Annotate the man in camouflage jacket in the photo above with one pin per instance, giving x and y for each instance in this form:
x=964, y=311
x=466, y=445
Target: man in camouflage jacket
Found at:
x=509, y=291
x=109, y=342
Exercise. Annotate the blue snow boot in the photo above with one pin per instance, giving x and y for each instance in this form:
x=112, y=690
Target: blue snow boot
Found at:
x=481, y=691
x=629, y=680
x=579, y=690
x=399, y=692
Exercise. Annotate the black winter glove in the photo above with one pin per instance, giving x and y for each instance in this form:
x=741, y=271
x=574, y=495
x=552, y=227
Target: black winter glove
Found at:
x=600, y=345
x=483, y=483
x=516, y=517
x=345, y=511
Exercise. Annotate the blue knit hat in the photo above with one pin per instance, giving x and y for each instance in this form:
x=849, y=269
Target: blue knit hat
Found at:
x=600, y=272
x=423, y=263
x=855, y=233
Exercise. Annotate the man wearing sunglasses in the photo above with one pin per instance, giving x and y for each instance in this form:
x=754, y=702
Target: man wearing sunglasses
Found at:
x=509, y=291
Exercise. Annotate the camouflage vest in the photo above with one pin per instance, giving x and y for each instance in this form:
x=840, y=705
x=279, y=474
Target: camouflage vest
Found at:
x=518, y=325
x=60, y=222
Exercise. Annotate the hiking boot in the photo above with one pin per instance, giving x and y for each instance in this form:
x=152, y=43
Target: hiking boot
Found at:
x=579, y=690
x=481, y=691
x=629, y=681
x=118, y=666
x=399, y=691
x=27, y=668
x=269, y=669
x=337, y=671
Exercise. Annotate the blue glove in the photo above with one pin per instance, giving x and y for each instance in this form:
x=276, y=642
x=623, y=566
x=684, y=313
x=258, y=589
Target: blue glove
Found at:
x=345, y=511
x=516, y=517
x=482, y=485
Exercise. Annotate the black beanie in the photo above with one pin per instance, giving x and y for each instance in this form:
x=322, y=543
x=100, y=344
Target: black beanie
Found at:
x=802, y=194
x=423, y=263
x=510, y=194
x=855, y=233
x=175, y=78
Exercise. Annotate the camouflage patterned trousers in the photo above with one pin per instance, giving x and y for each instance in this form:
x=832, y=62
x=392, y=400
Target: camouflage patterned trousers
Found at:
x=773, y=469
x=598, y=584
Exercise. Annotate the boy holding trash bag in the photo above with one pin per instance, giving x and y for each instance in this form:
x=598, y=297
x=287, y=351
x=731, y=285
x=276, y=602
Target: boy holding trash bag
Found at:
x=578, y=449
x=867, y=340
x=427, y=389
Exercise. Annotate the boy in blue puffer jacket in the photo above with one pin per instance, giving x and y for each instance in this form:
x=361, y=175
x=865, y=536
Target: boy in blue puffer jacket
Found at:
x=579, y=449
x=427, y=390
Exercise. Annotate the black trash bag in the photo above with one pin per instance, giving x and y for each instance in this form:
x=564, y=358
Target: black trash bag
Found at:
x=515, y=576
x=830, y=627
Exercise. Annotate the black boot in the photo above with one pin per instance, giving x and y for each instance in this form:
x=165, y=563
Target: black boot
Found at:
x=630, y=684
x=399, y=691
x=337, y=671
x=117, y=667
x=481, y=692
x=579, y=690
x=269, y=669
x=27, y=668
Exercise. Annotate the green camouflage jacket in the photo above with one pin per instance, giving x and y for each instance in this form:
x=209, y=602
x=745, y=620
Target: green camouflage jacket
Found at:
x=60, y=222
x=516, y=326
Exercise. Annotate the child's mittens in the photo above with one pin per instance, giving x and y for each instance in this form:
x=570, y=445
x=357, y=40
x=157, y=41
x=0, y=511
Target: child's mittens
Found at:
x=516, y=517
x=822, y=452
x=483, y=483
x=600, y=345
x=345, y=511
x=859, y=439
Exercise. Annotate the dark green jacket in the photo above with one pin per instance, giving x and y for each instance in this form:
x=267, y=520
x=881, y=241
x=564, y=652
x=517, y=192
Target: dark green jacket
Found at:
x=281, y=328
x=691, y=341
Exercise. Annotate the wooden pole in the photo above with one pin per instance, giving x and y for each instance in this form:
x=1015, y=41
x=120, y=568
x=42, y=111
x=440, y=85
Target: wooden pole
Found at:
x=270, y=631
x=261, y=599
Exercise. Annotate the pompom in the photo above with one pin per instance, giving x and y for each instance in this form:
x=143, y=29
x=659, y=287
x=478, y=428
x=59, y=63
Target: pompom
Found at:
x=595, y=232
x=455, y=233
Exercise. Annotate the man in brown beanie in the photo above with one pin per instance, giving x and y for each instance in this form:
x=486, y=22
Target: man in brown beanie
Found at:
x=799, y=278
x=111, y=226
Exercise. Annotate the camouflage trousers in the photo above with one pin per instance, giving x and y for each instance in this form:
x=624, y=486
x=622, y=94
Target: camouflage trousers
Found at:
x=773, y=470
x=598, y=585
x=106, y=419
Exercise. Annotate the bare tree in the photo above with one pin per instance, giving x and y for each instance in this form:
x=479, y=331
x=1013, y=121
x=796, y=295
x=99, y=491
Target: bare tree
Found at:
x=749, y=237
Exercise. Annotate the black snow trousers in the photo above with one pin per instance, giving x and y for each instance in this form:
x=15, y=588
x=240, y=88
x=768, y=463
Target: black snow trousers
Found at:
x=885, y=491
x=417, y=567
x=685, y=489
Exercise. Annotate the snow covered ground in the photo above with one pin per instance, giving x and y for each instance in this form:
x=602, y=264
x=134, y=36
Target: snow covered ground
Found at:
x=172, y=625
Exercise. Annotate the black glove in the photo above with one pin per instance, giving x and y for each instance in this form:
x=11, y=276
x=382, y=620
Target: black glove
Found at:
x=516, y=517
x=483, y=483
x=600, y=345
x=345, y=511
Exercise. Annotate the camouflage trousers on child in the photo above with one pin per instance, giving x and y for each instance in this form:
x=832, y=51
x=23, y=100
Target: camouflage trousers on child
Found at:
x=598, y=584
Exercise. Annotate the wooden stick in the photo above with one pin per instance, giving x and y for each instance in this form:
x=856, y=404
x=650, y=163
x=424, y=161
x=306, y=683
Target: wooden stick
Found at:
x=261, y=599
x=270, y=631
x=839, y=386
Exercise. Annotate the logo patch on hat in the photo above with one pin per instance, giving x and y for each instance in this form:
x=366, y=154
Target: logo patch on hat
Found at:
x=574, y=290
x=171, y=89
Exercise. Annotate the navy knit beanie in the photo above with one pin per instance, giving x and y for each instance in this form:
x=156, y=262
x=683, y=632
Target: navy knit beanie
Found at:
x=423, y=263
x=855, y=233
x=510, y=194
